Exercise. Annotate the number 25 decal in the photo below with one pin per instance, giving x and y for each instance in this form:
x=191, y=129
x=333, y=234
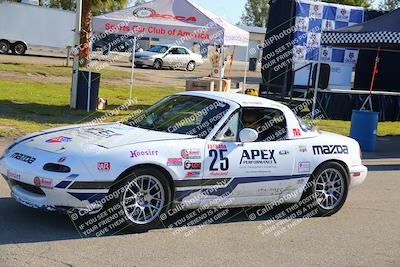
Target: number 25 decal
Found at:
x=224, y=161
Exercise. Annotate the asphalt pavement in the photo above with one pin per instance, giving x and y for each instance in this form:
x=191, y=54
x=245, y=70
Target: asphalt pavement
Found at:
x=364, y=233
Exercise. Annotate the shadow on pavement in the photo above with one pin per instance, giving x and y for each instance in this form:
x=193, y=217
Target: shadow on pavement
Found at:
x=20, y=224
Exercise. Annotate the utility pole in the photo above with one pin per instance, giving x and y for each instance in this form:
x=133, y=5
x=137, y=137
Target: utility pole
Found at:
x=76, y=50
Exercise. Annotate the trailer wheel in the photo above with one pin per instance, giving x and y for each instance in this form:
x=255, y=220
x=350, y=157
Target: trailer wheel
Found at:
x=19, y=48
x=4, y=46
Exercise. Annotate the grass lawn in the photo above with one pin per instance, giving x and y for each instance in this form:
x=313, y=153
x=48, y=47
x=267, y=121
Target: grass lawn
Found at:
x=29, y=107
x=60, y=71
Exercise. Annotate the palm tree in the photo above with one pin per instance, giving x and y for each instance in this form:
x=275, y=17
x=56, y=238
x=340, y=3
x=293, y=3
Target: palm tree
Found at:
x=90, y=8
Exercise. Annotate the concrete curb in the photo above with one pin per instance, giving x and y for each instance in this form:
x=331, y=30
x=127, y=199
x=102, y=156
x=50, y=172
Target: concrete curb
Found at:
x=380, y=162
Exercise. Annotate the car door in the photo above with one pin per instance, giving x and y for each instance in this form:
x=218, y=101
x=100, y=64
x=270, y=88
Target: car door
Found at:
x=170, y=57
x=250, y=173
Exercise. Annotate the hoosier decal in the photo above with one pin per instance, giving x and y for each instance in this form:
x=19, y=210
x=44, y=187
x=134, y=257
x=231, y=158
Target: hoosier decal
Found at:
x=330, y=149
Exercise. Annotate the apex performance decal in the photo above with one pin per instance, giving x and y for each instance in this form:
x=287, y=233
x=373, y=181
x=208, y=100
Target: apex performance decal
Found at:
x=258, y=157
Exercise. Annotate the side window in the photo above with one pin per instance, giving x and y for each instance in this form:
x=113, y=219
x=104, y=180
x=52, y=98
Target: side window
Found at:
x=174, y=51
x=269, y=123
x=182, y=51
x=230, y=131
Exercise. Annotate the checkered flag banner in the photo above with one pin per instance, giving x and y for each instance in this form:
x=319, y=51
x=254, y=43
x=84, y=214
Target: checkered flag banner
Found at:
x=343, y=38
x=313, y=18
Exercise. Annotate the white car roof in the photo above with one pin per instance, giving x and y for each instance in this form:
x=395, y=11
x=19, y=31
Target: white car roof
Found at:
x=241, y=99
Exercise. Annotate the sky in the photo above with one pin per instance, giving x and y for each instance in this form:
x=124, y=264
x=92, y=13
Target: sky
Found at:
x=231, y=10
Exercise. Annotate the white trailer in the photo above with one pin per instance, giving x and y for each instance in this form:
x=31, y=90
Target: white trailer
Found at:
x=24, y=25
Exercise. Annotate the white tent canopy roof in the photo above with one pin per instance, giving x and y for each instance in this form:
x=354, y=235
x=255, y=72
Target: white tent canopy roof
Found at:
x=181, y=20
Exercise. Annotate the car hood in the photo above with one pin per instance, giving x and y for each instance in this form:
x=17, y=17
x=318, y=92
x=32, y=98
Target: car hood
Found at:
x=103, y=135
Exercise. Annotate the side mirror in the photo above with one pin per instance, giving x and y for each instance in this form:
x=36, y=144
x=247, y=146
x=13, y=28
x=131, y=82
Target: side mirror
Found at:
x=248, y=135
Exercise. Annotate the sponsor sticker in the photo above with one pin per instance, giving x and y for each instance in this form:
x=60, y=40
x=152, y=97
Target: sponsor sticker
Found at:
x=216, y=146
x=43, y=182
x=330, y=149
x=174, y=162
x=59, y=140
x=13, y=175
x=218, y=174
x=257, y=157
x=302, y=149
x=143, y=153
x=24, y=158
x=62, y=159
x=193, y=174
x=296, y=132
x=192, y=165
x=283, y=152
x=305, y=166
x=191, y=154
x=104, y=133
x=104, y=166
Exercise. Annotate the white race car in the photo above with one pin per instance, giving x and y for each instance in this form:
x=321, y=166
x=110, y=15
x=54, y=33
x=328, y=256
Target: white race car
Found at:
x=190, y=149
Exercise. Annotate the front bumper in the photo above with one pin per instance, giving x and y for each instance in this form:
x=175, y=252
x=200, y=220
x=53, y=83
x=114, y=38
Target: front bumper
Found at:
x=358, y=175
x=146, y=62
x=56, y=195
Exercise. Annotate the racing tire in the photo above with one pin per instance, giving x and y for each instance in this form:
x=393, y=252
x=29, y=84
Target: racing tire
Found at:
x=327, y=189
x=18, y=48
x=158, y=64
x=145, y=195
x=191, y=66
x=4, y=46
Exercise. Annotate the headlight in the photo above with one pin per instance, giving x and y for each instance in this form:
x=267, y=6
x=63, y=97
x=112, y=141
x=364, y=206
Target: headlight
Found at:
x=7, y=151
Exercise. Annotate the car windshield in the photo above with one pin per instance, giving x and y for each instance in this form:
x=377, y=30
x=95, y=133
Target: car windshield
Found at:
x=160, y=49
x=189, y=115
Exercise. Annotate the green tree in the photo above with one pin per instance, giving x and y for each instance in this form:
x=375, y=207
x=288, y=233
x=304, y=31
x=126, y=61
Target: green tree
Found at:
x=255, y=13
x=362, y=3
x=389, y=5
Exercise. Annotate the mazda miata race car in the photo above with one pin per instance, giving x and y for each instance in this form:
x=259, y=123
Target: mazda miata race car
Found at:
x=190, y=149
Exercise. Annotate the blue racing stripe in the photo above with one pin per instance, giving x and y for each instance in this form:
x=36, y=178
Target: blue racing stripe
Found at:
x=235, y=182
x=63, y=184
x=91, y=197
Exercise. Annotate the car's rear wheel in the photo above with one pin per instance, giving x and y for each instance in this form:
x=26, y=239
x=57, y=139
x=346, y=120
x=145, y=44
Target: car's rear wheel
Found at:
x=191, y=66
x=158, y=64
x=146, y=194
x=328, y=188
x=4, y=46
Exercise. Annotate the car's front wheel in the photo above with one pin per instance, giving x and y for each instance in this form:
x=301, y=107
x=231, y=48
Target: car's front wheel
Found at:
x=158, y=64
x=144, y=195
x=328, y=188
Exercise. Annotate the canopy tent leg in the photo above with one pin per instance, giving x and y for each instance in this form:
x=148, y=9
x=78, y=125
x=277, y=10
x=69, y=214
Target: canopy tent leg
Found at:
x=90, y=73
x=221, y=64
x=246, y=67
x=132, y=69
x=316, y=84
